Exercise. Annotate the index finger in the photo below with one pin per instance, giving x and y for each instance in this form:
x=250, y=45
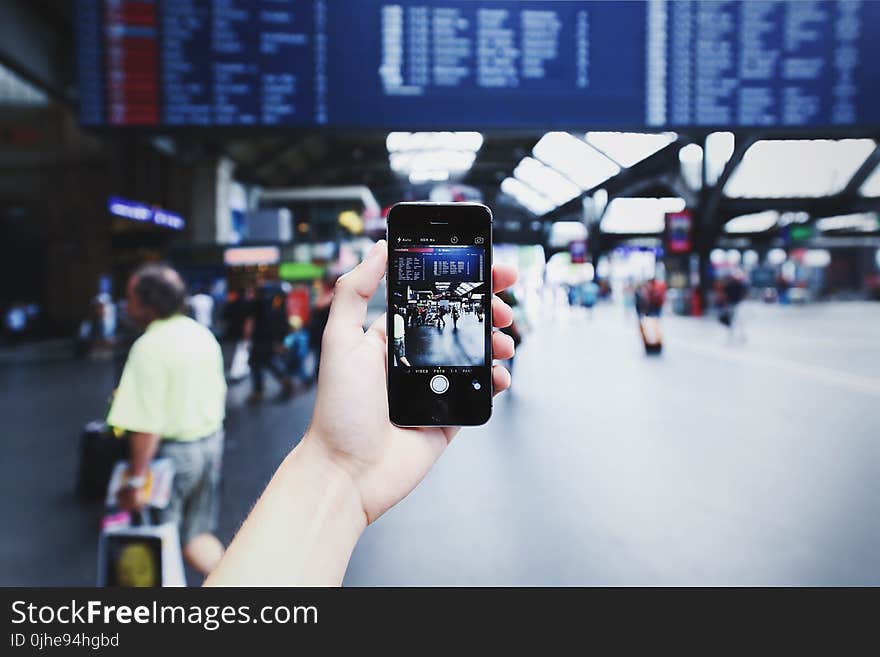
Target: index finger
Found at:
x=503, y=276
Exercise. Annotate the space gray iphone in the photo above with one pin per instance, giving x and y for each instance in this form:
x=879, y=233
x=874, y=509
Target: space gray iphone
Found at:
x=439, y=314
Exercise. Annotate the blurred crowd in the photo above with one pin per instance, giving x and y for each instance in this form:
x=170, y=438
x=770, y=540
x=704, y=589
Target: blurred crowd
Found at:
x=269, y=328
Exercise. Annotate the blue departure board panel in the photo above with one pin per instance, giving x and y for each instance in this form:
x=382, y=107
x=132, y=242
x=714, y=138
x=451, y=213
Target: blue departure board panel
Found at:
x=478, y=64
x=228, y=62
x=504, y=64
x=764, y=63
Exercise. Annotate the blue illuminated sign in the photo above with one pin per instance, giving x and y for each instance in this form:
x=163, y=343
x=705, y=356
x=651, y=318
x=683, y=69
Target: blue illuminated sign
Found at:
x=137, y=211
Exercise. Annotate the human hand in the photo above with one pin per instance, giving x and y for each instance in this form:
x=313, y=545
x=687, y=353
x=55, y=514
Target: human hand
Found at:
x=350, y=428
x=353, y=464
x=130, y=499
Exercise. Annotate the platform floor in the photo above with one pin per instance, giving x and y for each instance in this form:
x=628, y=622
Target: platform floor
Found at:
x=714, y=463
x=452, y=345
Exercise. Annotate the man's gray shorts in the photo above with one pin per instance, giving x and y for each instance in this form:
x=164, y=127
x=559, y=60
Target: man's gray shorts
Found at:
x=195, y=493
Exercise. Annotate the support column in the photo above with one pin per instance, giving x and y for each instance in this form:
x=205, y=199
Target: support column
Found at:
x=211, y=218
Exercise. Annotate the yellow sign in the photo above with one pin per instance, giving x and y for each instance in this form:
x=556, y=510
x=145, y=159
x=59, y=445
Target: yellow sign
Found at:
x=136, y=566
x=352, y=221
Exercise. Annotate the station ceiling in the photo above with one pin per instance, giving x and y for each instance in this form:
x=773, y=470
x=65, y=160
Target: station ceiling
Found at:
x=326, y=159
x=298, y=159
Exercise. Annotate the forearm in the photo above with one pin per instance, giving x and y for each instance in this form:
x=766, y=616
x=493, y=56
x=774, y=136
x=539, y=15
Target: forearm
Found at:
x=302, y=530
x=143, y=447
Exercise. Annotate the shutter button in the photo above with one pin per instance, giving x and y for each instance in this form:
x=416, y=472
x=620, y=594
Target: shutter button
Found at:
x=439, y=384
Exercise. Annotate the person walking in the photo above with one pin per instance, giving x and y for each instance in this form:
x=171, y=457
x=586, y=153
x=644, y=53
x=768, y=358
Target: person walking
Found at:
x=589, y=295
x=235, y=315
x=455, y=316
x=171, y=401
x=654, y=297
x=400, y=340
x=733, y=292
x=202, y=304
x=318, y=319
x=269, y=328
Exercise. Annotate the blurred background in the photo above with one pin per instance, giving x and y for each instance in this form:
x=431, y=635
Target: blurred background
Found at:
x=690, y=191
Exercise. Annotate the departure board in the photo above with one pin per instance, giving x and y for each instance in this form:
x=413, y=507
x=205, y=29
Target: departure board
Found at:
x=480, y=64
x=440, y=263
x=762, y=63
x=410, y=267
x=506, y=64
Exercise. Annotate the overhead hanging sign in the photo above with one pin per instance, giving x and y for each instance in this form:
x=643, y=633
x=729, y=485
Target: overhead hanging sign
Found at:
x=252, y=255
x=678, y=231
x=139, y=211
x=578, y=250
x=300, y=271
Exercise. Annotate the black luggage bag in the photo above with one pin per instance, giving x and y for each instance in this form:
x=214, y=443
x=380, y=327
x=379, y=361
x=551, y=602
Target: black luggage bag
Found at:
x=100, y=450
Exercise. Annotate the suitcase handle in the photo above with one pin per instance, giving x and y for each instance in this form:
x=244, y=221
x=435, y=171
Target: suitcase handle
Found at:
x=143, y=518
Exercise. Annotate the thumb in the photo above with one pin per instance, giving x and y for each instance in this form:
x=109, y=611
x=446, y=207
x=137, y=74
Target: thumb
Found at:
x=348, y=312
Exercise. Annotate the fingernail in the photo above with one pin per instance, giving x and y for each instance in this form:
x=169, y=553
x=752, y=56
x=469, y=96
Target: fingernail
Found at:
x=375, y=249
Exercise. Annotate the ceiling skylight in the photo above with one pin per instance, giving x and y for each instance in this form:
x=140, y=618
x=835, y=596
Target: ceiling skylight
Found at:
x=432, y=156
x=639, y=215
x=752, y=223
x=575, y=159
x=15, y=90
x=862, y=222
x=871, y=186
x=552, y=184
x=629, y=148
x=532, y=200
x=421, y=141
x=719, y=150
x=797, y=168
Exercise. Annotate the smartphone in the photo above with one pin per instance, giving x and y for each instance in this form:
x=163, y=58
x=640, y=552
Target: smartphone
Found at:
x=439, y=314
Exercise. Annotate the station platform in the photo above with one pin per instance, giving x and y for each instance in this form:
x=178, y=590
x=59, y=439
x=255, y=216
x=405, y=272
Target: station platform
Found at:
x=434, y=345
x=715, y=463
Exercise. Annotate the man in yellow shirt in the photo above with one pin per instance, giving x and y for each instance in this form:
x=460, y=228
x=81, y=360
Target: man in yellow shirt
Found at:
x=171, y=401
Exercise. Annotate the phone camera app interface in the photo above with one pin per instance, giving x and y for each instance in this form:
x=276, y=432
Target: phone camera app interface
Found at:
x=439, y=299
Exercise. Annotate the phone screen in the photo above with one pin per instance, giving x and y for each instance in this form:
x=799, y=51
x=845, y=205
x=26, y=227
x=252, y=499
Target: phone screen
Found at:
x=439, y=314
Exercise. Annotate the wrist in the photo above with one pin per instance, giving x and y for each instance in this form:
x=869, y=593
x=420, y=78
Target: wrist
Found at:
x=302, y=530
x=311, y=462
x=135, y=482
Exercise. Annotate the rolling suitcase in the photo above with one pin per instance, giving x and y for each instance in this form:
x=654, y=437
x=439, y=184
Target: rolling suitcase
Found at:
x=100, y=450
x=651, y=335
x=139, y=555
x=133, y=550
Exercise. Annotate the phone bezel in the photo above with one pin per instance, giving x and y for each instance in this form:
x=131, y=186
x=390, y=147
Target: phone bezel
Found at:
x=469, y=213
